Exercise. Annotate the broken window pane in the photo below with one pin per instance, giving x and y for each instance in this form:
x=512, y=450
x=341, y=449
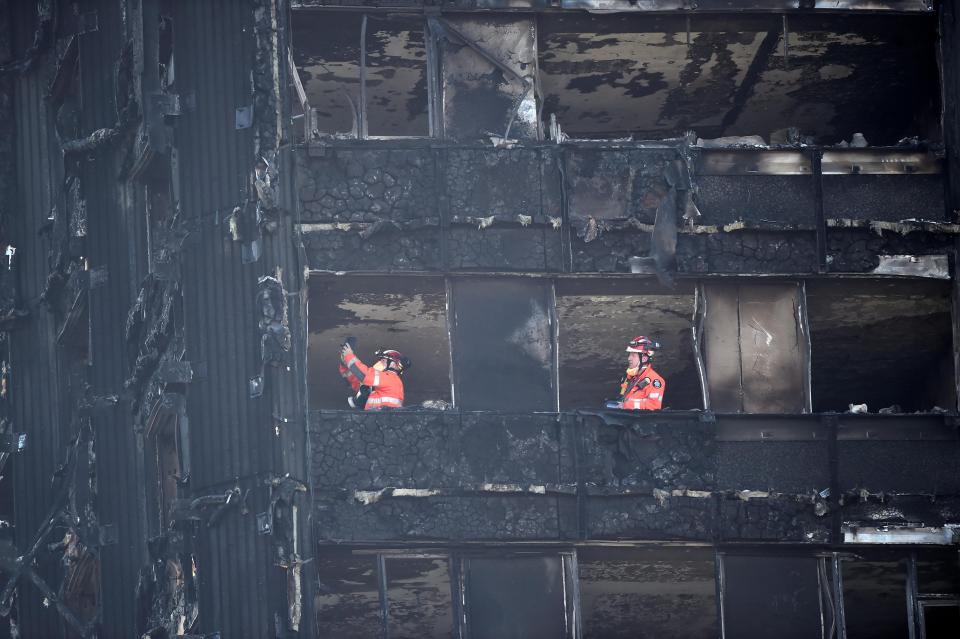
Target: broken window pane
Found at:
x=490, y=92
x=419, y=598
x=503, y=344
x=771, y=597
x=326, y=51
x=661, y=593
x=875, y=599
x=516, y=598
x=396, y=76
x=597, y=318
x=881, y=343
x=404, y=313
x=347, y=603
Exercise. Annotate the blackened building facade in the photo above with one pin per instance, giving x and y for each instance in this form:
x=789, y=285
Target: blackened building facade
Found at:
x=200, y=201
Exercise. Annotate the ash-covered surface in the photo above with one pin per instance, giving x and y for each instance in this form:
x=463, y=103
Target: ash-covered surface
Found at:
x=747, y=252
x=882, y=509
x=923, y=467
x=349, y=185
x=644, y=517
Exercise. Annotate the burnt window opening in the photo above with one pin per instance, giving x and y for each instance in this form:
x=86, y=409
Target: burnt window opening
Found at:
x=164, y=457
x=403, y=313
x=654, y=77
x=165, y=68
x=433, y=594
x=766, y=596
x=875, y=599
x=362, y=75
x=883, y=343
x=669, y=593
x=503, y=344
x=158, y=200
x=597, y=318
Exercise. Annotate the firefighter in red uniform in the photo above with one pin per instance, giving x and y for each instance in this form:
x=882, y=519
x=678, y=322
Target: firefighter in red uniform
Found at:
x=642, y=387
x=383, y=378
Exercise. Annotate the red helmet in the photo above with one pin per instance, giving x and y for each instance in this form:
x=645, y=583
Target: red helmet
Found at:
x=392, y=356
x=643, y=345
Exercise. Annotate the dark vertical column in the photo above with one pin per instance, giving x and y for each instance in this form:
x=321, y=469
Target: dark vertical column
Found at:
x=950, y=99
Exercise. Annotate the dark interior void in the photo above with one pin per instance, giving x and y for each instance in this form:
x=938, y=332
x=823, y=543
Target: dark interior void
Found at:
x=517, y=597
x=406, y=314
x=657, y=593
x=419, y=597
x=830, y=76
x=347, y=603
x=327, y=53
x=881, y=343
x=771, y=597
x=503, y=344
x=940, y=619
x=597, y=318
x=875, y=599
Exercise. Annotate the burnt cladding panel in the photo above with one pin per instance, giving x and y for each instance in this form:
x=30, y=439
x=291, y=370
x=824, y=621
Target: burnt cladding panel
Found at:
x=231, y=433
x=34, y=395
x=107, y=241
x=502, y=345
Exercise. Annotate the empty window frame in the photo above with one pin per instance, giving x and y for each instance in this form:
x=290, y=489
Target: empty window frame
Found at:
x=766, y=596
x=875, y=599
x=363, y=75
x=882, y=343
x=439, y=594
x=404, y=313
x=503, y=344
x=598, y=317
x=640, y=593
x=656, y=76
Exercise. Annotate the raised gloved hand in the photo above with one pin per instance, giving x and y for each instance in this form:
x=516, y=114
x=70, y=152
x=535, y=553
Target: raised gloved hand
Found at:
x=345, y=349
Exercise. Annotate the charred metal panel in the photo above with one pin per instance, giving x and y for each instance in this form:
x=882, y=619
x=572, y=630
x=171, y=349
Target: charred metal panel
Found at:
x=919, y=467
x=771, y=597
x=505, y=249
x=884, y=197
x=747, y=251
x=859, y=250
x=504, y=183
x=353, y=185
x=723, y=199
x=331, y=249
x=488, y=73
x=596, y=318
x=659, y=452
x=801, y=468
x=664, y=592
x=503, y=359
x=596, y=251
x=607, y=184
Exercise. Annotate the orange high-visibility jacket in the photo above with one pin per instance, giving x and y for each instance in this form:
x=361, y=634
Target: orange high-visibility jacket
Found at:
x=387, y=386
x=352, y=379
x=643, y=391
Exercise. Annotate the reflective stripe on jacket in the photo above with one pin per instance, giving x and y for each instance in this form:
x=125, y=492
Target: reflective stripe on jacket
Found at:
x=646, y=393
x=387, y=386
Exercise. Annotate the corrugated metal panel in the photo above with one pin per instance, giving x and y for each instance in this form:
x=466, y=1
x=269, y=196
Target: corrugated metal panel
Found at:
x=232, y=434
x=108, y=247
x=34, y=391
